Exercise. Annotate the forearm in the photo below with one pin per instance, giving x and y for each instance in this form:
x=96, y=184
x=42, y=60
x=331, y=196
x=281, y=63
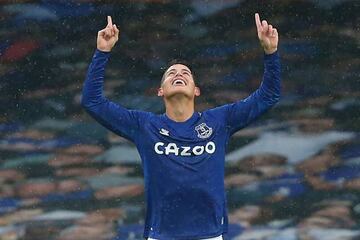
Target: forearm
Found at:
x=270, y=88
x=92, y=93
x=109, y=114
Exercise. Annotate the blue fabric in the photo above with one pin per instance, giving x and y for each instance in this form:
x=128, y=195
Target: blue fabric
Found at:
x=134, y=231
x=183, y=162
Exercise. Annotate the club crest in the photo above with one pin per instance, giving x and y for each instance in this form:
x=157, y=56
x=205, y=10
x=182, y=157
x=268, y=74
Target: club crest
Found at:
x=203, y=130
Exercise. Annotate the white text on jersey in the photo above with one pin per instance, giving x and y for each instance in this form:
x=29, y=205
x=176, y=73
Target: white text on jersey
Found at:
x=172, y=148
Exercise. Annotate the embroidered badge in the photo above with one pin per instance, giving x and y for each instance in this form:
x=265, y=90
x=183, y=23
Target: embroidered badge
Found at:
x=203, y=130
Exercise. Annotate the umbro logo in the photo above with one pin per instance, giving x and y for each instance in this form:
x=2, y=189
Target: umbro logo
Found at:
x=164, y=132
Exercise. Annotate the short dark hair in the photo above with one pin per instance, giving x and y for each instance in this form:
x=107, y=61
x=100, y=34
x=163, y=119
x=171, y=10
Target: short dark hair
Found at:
x=173, y=62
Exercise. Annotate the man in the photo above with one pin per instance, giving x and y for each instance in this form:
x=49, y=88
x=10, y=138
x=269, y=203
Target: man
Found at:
x=182, y=151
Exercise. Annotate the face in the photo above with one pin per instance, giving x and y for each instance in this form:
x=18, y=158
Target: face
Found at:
x=178, y=80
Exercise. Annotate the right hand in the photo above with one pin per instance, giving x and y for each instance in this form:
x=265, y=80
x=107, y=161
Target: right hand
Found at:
x=107, y=37
x=268, y=35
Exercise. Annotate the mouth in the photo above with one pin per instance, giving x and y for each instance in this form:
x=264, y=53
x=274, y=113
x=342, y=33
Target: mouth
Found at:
x=179, y=82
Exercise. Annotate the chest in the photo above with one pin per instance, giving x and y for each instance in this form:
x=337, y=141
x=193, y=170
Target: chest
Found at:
x=200, y=138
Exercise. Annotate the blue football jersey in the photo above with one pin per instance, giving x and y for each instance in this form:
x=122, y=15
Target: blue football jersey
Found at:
x=183, y=162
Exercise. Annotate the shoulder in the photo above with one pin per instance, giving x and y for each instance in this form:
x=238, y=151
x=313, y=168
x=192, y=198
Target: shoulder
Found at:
x=146, y=114
x=217, y=114
x=214, y=112
x=142, y=115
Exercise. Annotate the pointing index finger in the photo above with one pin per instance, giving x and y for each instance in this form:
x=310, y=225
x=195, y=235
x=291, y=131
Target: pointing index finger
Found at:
x=257, y=21
x=109, y=21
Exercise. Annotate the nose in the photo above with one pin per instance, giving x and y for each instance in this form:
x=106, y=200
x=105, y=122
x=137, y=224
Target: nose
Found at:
x=178, y=73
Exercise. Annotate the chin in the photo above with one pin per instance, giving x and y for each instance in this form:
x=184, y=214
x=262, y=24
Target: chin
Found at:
x=178, y=93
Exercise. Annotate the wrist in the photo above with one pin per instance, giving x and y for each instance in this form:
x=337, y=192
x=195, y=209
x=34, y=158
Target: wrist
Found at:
x=107, y=50
x=101, y=52
x=270, y=51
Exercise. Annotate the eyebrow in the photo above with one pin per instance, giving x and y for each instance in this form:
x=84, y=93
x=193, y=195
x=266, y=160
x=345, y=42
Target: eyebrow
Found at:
x=184, y=69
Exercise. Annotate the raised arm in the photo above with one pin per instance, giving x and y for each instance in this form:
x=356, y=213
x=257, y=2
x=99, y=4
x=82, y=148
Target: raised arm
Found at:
x=116, y=118
x=92, y=94
x=241, y=113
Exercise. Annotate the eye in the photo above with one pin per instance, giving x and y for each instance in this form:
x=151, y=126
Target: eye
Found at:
x=170, y=73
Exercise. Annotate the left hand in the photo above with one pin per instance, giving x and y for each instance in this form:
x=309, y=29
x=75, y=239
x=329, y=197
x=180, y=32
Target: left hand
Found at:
x=267, y=34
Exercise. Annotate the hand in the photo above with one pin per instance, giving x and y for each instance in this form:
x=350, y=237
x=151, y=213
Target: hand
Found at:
x=108, y=36
x=267, y=34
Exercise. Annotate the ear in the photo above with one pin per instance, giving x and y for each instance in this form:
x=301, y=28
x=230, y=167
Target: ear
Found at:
x=160, y=92
x=197, y=91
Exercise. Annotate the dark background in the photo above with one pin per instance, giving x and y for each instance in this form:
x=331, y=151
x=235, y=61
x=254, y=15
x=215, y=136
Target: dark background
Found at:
x=59, y=167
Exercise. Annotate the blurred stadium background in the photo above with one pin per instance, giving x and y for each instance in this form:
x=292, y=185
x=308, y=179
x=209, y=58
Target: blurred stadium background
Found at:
x=294, y=174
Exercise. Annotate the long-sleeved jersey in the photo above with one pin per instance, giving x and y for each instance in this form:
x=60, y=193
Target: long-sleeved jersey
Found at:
x=183, y=162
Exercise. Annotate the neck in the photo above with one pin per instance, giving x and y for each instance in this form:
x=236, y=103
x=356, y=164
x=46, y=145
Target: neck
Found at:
x=179, y=109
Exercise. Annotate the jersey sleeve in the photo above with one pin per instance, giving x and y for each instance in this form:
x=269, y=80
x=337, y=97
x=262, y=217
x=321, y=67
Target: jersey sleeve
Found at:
x=114, y=117
x=241, y=113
